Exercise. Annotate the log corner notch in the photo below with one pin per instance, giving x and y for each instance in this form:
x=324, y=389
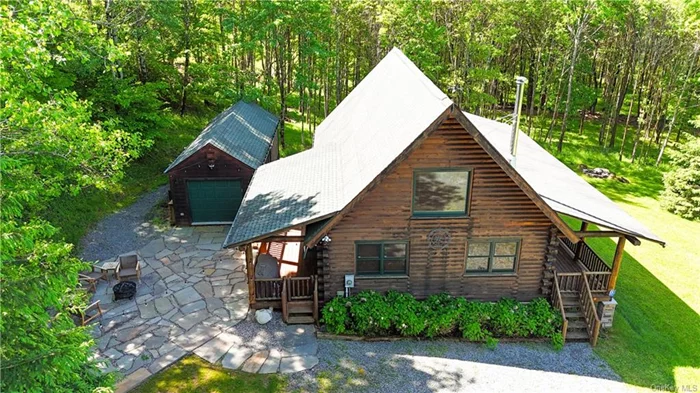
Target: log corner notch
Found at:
x=250, y=273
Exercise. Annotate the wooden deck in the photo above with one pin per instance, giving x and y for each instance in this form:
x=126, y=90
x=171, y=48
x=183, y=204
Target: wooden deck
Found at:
x=588, y=261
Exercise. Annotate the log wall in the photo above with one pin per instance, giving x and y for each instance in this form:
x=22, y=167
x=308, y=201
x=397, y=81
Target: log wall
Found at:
x=498, y=209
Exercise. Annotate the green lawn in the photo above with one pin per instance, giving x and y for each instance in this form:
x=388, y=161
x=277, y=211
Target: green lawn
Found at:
x=655, y=339
x=194, y=375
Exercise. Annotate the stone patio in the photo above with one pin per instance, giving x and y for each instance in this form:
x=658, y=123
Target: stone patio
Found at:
x=193, y=298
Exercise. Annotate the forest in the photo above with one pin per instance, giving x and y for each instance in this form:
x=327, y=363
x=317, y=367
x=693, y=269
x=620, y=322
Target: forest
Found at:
x=90, y=90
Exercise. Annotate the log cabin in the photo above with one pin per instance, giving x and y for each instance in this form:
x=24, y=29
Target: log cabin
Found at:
x=403, y=190
x=210, y=176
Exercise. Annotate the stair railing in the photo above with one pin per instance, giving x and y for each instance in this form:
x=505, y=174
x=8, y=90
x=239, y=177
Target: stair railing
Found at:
x=590, y=313
x=284, y=300
x=315, y=278
x=557, y=302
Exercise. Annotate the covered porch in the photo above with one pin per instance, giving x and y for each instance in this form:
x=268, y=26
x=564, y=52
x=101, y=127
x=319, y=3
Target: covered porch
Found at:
x=584, y=284
x=282, y=275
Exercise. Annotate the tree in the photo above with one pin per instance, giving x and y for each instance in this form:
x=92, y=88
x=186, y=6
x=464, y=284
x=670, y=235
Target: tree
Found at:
x=681, y=193
x=48, y=146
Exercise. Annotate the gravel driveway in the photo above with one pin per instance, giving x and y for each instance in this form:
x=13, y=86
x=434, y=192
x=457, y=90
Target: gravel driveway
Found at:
x=441, y=366
x=124, y=231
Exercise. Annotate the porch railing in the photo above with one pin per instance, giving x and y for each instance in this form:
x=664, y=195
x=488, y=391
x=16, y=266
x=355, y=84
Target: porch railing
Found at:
x=587, y=256
x=268, y=289
x=569, y=282
x=598, y=281
x=300, y=288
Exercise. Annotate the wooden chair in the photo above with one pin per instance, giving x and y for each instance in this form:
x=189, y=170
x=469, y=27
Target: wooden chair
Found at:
x=87, y=283
x=90, y=313
x=95, y=272
x=129, y=267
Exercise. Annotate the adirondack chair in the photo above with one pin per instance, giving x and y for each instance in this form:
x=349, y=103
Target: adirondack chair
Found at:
x=87, y=283
x=129, y=267
x=88, y=314
x=95, y=272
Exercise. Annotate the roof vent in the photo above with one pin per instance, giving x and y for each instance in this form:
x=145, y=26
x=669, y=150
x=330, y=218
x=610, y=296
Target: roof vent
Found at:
x=519, y=84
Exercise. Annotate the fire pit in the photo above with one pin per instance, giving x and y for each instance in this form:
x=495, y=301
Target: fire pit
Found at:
x=124, y=290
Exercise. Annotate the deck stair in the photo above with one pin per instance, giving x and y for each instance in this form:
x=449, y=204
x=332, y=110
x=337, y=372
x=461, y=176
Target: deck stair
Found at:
x=572, y=296
x=576, y=327
x=300, y=300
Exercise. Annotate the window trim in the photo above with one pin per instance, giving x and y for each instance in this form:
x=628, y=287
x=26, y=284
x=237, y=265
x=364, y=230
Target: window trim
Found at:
x=492, y=248
x=381, y=273
x=445, y=213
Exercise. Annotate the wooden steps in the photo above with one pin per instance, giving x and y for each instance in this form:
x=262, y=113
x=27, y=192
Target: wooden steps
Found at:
x=300, y=300
x=577, y=328
x=300, y=311
x=302, y=319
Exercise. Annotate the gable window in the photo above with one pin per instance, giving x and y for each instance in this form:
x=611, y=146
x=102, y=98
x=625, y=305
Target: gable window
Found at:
x=375, y=258
x=440, y=192
x=492, y=256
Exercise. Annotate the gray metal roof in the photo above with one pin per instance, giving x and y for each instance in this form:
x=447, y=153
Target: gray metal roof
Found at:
x=561, y=188
x=377, y=121
x=244, y=131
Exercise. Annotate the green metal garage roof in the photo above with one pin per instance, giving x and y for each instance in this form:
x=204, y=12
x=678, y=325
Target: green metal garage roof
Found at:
x=244, y=131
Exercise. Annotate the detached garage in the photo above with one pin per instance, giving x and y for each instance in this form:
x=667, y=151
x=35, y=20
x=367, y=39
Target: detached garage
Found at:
x=208, y=179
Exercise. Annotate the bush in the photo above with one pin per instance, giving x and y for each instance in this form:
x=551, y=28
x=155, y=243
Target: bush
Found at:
x=407, y=317
x=681, y=195
x=371, y=314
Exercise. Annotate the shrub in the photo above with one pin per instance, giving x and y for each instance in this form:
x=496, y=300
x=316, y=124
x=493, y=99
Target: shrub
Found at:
x=681, y=193
x=371, y=314
x=474, y=321
x=442, y=314
x=335, y=315
x=407, y=317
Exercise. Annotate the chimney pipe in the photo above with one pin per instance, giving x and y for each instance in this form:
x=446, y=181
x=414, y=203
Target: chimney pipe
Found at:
x=519, y=84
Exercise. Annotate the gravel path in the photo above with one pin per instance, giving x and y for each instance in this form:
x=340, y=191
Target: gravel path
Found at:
x=441, y=366
x=124, y=231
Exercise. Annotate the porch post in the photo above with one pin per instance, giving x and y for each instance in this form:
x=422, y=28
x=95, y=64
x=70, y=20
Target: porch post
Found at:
x=250, y=273
x=619, y=251
x=579, y=247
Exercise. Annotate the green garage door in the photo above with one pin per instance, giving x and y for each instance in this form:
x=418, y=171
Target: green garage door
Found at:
x=214, y=200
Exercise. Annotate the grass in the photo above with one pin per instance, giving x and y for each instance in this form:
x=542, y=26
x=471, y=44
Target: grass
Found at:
x=194, y=375
x=654, y=339
x=76, y=214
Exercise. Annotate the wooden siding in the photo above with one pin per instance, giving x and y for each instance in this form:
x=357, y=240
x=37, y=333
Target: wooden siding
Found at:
x=498, y=209
x=196, y=167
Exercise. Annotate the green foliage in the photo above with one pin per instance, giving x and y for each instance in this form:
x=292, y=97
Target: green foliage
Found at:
x=681, y=195
x=370, y=314
x=335, y=315
x=407, y=318
x=442, y=314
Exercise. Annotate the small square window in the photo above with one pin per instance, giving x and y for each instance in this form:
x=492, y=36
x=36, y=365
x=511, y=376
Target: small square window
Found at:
x=440, y=192
x=381, y=258
x=492, y=256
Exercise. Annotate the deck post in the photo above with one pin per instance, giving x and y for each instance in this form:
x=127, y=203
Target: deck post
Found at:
x=250, y=273
x=579, y=247
x=619, y=251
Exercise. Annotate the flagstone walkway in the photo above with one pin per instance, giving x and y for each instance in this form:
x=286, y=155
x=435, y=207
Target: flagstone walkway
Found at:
x=193, y=298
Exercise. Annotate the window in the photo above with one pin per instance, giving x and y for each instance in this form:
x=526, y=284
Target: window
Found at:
x=440, y=192
x=381, y=258
x=492, y=256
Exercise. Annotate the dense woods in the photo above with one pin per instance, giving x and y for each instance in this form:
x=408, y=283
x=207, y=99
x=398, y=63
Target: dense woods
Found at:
x=86, y=87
